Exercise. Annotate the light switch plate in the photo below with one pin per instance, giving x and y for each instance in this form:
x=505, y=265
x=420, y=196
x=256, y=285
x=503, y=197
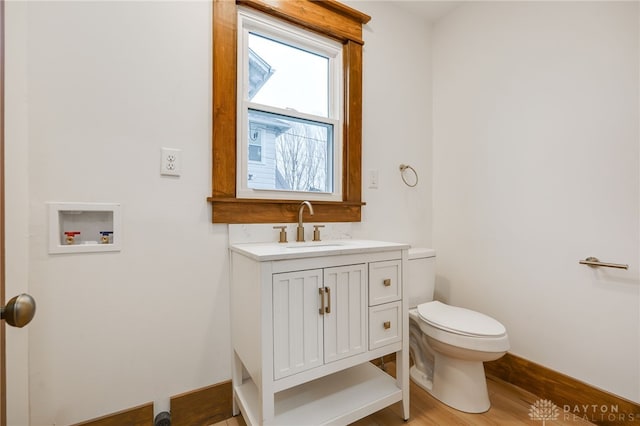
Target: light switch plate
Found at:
x=373, y=179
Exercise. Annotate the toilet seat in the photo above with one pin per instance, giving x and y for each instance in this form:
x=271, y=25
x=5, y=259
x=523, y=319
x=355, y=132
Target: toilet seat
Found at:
x=477, y=343
x=461, y=321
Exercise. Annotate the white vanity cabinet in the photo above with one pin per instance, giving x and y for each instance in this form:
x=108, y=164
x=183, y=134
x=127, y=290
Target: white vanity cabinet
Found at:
x=306, y=321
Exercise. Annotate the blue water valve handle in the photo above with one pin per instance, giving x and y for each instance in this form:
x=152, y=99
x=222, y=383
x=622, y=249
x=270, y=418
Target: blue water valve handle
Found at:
x=104, y=239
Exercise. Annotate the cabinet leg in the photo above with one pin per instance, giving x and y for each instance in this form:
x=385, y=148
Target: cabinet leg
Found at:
x=268, y=404
x=402, y=379
x=236, y=380
x=405, y=409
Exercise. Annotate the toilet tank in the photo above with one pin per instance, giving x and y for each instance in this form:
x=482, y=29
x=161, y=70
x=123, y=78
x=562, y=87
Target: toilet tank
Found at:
x=421, y=276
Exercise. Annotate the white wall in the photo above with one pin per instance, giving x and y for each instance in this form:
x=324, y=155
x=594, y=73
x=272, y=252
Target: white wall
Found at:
x=396, y=125
x=536, y=150
x=107, y=85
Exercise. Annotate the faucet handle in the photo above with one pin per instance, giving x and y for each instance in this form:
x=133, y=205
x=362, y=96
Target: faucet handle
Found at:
x=283, y=233
x=316, y=232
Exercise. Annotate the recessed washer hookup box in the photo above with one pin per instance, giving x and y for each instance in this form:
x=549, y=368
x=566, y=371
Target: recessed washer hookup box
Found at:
x=84, y=227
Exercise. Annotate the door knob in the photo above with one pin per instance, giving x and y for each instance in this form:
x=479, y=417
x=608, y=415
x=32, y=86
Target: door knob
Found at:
x=19, y=311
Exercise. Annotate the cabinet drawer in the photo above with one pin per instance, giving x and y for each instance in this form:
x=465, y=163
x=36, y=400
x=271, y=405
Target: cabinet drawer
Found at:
x=384, y=282
x=384, y=324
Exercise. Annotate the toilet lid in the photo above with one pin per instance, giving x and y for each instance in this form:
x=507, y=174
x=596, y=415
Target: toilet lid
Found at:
x=460, y=320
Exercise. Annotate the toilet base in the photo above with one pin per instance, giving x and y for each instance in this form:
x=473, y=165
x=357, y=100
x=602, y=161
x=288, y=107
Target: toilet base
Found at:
x=420, y=378
x=460, y=384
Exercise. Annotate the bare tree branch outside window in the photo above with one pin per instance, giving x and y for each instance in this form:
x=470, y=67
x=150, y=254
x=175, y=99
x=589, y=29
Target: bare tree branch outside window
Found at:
x=301, y=157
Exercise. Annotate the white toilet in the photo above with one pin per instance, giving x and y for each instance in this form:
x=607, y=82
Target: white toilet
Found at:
x=449, y=344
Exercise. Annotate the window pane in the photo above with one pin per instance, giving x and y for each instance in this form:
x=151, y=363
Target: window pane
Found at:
x=255, y=153
x=297, y=155
x=286, y=77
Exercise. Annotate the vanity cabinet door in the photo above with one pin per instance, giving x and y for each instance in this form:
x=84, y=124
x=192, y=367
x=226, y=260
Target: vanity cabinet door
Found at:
x=297, y=323
x=345, y=326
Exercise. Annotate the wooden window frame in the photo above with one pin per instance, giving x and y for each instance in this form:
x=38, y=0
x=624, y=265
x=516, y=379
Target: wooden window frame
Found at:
x=325, y=17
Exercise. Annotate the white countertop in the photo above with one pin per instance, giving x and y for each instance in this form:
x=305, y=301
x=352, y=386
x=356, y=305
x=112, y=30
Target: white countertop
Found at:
x=293, y=250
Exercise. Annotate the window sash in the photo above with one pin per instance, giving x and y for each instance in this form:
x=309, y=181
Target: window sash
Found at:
x=243, y=190
x=251, y=22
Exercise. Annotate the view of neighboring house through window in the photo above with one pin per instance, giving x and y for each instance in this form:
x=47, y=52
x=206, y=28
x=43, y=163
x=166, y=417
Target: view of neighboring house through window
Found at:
x=290, y=111
x=255, y=143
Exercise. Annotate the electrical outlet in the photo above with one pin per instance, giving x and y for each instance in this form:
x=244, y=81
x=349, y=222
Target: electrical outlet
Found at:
x=170, y=162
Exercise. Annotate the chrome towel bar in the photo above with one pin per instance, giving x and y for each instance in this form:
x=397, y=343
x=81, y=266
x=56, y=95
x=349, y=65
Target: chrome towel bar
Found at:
x=594, y=261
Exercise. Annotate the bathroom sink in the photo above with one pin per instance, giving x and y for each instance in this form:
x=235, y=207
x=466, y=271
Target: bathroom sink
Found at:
x=313, y=244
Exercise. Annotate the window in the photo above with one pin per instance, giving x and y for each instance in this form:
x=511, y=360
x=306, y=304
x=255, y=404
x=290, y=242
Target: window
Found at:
x=254, y=139
x=280, y=146
x=299, y=158
x=289, y=86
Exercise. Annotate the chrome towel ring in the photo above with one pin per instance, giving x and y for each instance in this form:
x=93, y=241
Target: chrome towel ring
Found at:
x=403, y=168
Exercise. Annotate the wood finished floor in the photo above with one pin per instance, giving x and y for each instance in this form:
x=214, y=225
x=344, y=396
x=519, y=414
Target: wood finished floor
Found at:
x=509, y=406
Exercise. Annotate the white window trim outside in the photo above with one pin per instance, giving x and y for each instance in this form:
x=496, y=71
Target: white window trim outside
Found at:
x=250, y=21
x=256, y=143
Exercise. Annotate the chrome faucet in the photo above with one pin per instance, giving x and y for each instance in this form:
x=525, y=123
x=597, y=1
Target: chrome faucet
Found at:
x=300, y=234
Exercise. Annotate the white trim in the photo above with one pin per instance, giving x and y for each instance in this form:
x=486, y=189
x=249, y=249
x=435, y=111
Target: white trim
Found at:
x=289, y=113
x=250, y=21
